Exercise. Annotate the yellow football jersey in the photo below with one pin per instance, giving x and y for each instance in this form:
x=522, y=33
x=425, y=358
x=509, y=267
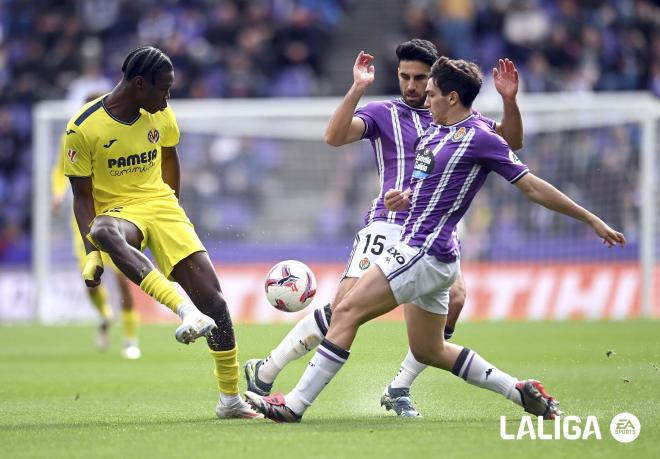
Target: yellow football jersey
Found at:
x=123, y=159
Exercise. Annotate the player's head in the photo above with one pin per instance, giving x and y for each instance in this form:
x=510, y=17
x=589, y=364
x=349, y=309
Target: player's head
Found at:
x=453, y=84
x=415, y=60
x=150, y=73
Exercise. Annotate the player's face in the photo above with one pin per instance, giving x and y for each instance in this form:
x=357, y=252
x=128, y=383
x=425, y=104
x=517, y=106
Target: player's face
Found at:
x=413, y=76
x=437, y=103
x=155, y=96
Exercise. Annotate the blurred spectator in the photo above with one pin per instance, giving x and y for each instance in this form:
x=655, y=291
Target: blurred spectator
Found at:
x=589, y=45
x=262, y=48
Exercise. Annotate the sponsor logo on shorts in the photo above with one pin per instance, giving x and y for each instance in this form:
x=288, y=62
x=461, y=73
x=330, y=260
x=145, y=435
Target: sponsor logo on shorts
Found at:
x=72, y=155
x=153, y=136
x=364, y=263
x=396, y=255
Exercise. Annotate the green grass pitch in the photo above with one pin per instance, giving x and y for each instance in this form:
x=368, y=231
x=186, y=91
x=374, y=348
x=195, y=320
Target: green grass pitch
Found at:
x=60, y=398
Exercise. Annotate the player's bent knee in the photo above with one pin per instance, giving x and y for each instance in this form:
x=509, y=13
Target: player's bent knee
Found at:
x=105, y=235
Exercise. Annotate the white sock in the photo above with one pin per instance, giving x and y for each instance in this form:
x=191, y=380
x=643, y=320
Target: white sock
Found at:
x=325, y=364
x=474, y=369
x=303, y=337
x=410, y=369
x=229, y=400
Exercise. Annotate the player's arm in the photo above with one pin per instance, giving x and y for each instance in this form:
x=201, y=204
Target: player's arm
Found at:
x=58, y=182
x=83, y=210
x=343, y=127
x=170, y=168
x=543, y=193
x=506, y=83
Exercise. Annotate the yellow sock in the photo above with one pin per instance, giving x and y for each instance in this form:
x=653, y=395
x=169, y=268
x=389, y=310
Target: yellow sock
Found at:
x=162, y=290
x=130, y=320
x=99, y=297
x=226, y=370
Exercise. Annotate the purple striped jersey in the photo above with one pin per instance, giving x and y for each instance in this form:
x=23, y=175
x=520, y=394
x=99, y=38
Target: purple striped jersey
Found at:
x=393, y=127
x=451, y=165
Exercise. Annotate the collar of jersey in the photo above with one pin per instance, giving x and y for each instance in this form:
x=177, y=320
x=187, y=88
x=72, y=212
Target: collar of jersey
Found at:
x=455, y=124
x=402, y=101
x=117, y=119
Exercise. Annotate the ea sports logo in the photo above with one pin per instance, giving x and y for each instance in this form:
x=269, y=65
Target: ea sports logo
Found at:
x=153, y=136
x=625, y=427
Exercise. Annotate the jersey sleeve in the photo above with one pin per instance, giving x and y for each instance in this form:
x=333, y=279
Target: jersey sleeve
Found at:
x=171, y=129
x=58, y=181
x=368, y=114
x=77, y=152
x=491, y=123
x=494, y=154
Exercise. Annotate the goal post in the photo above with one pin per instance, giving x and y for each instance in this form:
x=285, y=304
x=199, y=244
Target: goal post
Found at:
x=260, y=185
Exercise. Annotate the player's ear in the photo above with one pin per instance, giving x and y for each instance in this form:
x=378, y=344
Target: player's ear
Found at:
x=139, y=82
x=454, y=98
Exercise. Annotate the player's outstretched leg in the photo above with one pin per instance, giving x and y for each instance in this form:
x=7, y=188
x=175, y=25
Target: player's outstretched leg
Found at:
x=303, y=338
x=428, y=346
x=396, y=396
x=197, y=276
x=119, y=238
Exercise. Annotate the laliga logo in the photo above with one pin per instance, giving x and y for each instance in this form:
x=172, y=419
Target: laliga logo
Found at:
x=624, y=428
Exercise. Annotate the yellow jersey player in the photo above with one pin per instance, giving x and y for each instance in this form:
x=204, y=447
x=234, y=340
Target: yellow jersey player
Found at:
x=98, y=295
x=124, y=170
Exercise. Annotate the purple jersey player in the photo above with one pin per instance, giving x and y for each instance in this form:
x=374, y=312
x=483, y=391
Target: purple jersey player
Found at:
x=392, y=127
x=452, y=160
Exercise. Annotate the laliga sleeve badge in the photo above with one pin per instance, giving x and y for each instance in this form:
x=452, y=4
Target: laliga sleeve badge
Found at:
x=72, y=155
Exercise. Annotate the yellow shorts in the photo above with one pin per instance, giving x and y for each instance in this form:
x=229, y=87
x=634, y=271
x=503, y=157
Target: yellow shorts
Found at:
x=165, y=228
x=81, y=253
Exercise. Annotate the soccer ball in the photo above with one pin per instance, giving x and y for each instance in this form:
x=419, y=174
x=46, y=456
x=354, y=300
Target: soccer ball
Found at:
x=290, y=286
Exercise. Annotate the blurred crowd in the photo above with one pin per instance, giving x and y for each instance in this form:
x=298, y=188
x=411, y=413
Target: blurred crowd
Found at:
x=55, y=49
x=559, y=45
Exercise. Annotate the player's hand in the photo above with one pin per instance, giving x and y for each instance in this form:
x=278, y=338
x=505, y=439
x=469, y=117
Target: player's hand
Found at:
x=506, y=79
x=397, y=200
x=93, y=269
x=609, y=236
x=363, y=71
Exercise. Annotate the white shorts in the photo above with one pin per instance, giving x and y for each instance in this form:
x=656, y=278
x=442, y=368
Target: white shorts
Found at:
x=370, y=243
x=418, y=278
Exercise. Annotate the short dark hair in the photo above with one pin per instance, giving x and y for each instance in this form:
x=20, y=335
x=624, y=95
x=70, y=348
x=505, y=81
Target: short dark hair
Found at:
x=417, y=50
x=457, y=75
x=146, y=62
